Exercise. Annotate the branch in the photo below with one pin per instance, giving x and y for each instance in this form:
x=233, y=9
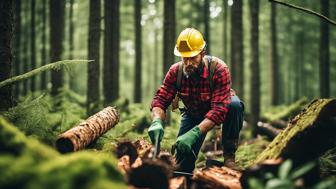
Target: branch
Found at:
x=304, y=10
x=54, y=66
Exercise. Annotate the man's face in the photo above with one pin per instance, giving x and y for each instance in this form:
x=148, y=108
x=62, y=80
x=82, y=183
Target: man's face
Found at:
x=191, y=64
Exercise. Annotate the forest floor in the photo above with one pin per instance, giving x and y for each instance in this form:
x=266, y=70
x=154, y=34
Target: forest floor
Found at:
x=27, y=146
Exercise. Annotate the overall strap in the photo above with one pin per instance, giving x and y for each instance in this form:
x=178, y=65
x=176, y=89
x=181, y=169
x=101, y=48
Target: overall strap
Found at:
x=179, y=76
x=211, y=68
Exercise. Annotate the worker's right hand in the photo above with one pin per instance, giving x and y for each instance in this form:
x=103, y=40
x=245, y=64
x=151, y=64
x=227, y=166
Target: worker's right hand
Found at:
x=156, y=131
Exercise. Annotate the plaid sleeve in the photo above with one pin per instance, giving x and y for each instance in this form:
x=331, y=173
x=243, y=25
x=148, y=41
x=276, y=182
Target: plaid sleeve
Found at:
x=167, y=91
x=220, y=98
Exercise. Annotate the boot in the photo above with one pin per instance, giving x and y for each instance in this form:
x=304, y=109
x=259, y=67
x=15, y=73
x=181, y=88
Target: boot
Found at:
x=229, y=149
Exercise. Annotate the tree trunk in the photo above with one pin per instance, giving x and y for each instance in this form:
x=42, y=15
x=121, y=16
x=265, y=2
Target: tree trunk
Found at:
x=72, y=81
x=93, y=92
x=43, y=44
x=255, y=76
x=25, y=42
x=56, y=9
x=17, y=44
x=237, y=50
x=88, y=131
x=168, y=35
x=32, y=45
x=6, y=34
x=225, y=30
x=111, y=51
x=324, y=52
x=137, y=78
x=275, y=92
x=207, y=24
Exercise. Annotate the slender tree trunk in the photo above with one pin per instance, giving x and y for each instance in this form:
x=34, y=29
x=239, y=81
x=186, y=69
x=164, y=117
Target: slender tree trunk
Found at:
x=168, y=39
x=72, y=81
x=93, y=54
x=324, y=52
x=32, y=45
x=168, y=34
x=255, y=76
x=43, y=44
x=111, y=51
x=17, y=47
x=207, y=24
x=56, y=9
x=25, y=42
x=237, y=53
x=225, y=29
x=137, y=78
x=156, y=59
x=6, y=57
x=275, y=92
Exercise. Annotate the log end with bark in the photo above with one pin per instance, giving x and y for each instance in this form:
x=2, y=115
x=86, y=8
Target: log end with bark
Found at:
x=87, y=131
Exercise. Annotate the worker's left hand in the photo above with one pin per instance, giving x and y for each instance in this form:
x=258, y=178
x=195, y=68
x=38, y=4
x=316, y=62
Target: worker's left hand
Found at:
x=185, y=141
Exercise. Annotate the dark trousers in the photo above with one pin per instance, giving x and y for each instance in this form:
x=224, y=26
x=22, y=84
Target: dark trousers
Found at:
x=230, y=132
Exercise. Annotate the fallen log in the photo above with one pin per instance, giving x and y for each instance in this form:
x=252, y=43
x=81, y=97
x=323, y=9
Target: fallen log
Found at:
x=87, y=131
x=268, y=130
x=307, y=136
x=217, y=177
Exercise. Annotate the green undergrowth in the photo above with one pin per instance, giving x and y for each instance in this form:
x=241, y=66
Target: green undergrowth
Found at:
x=284, y=112
x=249, y=150
x=27, y=163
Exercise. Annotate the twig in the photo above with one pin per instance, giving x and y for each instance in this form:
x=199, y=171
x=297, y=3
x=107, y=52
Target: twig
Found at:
x=304, y=10
x=54, y=66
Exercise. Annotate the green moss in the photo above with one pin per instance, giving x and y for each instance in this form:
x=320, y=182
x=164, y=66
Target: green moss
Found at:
x=14, y=142
x=248, y=152
x=298, y=124
x=78, y=170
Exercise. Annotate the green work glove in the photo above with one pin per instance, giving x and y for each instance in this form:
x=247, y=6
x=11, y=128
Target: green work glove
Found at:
x=156, y=131
x=185, y=141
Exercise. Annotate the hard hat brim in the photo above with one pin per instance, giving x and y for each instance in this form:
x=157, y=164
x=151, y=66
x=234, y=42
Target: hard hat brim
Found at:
x=187, y=53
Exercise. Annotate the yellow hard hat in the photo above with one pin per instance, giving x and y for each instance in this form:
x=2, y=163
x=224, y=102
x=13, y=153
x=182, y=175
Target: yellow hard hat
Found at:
x=189, y=43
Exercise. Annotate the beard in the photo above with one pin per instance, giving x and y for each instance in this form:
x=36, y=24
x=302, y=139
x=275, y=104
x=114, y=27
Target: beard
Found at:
x=191, y=71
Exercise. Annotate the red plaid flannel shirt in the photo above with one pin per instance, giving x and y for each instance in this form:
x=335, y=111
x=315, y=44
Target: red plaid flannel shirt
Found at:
x=196, y=94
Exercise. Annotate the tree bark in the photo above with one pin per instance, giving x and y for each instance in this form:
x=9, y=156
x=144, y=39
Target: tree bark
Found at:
x=168, y=35
x=225, y=30
x=206, y=10
x=17, y=44
x=6, y=57
x=138, y=43
x=25, y=42
x=275, y=92
x=56, y=9
x=44, y=76
x=93, y=92
x=324, y=52
x=88, y=131
x=111, y=51
x=255, y=76
x=237, y=50
x=32, y=44
x=72, y=81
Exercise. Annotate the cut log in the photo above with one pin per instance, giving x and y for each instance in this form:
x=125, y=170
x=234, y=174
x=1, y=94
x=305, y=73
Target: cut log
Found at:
x=178, y=183
x=87, y=131
x=217, y=177
x=307, y=136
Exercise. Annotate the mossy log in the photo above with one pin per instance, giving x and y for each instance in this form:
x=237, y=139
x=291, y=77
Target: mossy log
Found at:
x=307, y=136
x=87, y=131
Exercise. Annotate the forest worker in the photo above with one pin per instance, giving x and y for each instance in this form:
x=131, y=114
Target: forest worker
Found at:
x=207, y=97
